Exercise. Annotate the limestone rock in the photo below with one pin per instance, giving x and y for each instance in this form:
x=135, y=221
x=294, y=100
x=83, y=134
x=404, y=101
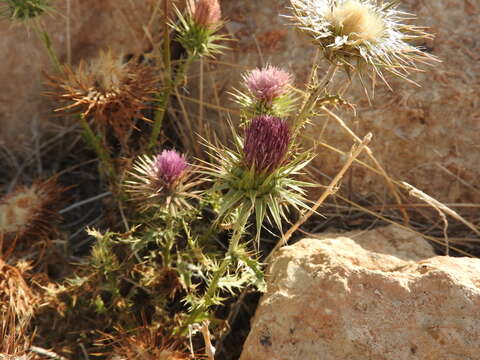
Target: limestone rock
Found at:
x=334, y=299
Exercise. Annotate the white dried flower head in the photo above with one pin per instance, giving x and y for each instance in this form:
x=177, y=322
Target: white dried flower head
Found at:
x=30, y=213
x=355, y=33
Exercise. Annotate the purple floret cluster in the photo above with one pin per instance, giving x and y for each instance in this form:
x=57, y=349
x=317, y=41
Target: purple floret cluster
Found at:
x=206, y=13
x=170, y=166
x=268, y=83
x=267, y=139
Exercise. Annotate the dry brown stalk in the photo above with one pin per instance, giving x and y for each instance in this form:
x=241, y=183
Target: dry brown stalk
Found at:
x=209, y=349
x=330, y=190
x=387, y=220
x=442, y=209
x=376, y=162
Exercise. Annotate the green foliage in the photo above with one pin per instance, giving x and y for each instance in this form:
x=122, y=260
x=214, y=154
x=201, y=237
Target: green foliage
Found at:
x=282, y=106
x=268, y=195
x=22, y=10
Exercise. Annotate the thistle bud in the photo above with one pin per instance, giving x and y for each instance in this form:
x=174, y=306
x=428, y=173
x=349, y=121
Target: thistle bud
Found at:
x=268, y=83
x=267, y=139
x=169, y=166
x=206, y=13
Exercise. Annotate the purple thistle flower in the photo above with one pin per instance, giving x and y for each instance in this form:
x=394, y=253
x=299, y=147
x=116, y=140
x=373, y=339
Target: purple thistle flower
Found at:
x=268, y=83
x=266, y=143
x=169, y=166
x=206, y=13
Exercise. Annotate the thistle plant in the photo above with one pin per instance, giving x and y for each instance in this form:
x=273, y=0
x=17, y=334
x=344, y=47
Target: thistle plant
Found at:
x=258, y=175
x=197, y=32
x=268, y=91
x=162, y=182
x=255, y=177
x=363, y=35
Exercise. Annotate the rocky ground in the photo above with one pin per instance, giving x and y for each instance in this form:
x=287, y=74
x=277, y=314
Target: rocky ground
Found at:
x=378, y=294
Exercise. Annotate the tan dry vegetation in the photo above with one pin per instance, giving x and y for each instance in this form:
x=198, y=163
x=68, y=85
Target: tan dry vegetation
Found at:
x=93, y=25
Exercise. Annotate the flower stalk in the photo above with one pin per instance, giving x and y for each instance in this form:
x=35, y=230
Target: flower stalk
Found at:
x=47, y=42
x=222, y=269
x=96, y=145
x=196, y=33
x=164, y=99
x=313, y=97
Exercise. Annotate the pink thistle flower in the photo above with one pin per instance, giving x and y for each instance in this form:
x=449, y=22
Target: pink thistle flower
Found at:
x=206, y=13
x=267, y=139
x=268, y=83
x=163, y=181
x=169, y=166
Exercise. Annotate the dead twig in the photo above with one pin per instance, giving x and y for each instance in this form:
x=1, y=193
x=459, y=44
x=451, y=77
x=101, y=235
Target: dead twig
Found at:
x=47, y=353
x=442, y=209
x=209, y=349
x=375, y=161
x=330, y=190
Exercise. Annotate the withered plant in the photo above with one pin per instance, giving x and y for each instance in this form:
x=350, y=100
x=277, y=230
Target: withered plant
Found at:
x=107, y=91
x=28, y=215
x=145, y=343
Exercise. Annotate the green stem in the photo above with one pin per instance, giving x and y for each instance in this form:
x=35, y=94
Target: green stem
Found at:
x=166, y=39
x=47, y=42
x=313, y=97
x=167, y=256
x=95, y=143
x=164, y=99
x=224, y=265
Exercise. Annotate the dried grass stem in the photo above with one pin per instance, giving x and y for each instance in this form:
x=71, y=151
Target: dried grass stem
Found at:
x=330, y=190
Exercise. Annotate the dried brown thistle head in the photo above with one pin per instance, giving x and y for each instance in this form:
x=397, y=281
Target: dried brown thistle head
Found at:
x=13, y=332
x=146, y=344
x=107, y=90
x=165, y=282
x=16, y=298
x=16, y=341
x=29, y=214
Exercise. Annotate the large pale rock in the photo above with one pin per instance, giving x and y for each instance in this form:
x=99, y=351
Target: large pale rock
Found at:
x=333, y=299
